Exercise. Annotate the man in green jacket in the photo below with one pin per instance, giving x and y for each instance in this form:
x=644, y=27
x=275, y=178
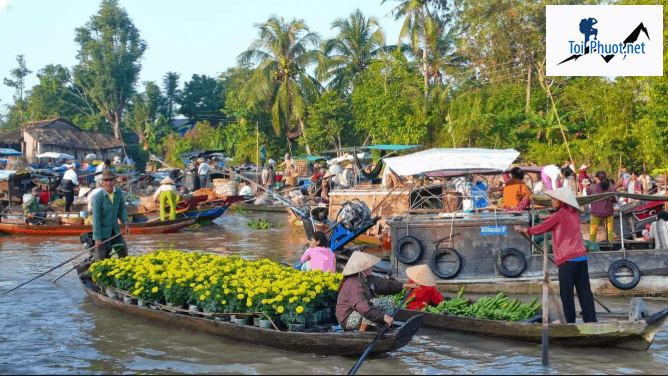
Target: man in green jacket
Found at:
x=108, y=208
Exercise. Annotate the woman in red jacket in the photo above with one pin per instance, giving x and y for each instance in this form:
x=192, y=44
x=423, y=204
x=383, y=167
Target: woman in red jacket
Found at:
x=570, y=255
x=426, y=293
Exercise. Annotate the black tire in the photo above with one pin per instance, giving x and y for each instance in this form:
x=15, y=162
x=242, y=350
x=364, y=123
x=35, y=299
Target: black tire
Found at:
x=614, y=268
x=438, y=255
x=511, y=252
x=399, y=250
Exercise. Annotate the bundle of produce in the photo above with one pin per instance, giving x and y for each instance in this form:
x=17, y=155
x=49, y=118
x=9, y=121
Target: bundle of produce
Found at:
x=211, y=195
x=220, y=284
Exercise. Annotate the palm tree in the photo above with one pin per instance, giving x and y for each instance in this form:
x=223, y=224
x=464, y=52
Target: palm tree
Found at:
x=359, y=40
x=282, y=56
x=418, y=27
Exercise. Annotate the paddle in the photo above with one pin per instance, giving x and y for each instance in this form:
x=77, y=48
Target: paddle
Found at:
x=58, y=266
x=371, y=346
x=545, y=253
x=117, y=247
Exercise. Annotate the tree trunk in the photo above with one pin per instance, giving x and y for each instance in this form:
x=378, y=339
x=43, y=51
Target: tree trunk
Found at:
x=303, y=129
x=528, y=105
x=424, y=59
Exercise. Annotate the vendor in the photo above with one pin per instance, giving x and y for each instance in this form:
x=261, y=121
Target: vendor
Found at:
x=167, y=195
x=204, y=172
x=426, y=293
x=346, y=179
x=67, y=184
x=570, y=254
x=99, y=170
x=31, y=209
x=319, y=256
x=516, y=193
x=108, y=208
x=659, y=231
x=358, y=304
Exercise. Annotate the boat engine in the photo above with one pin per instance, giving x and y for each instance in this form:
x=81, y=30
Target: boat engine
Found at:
x=353, y=219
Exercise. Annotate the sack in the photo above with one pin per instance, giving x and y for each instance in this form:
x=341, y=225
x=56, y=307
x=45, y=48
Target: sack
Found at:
x=223, y=188
x=211, y=195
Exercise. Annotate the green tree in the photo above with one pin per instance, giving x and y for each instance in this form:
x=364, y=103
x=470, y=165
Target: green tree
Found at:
x=283, y=54
x=110, y=50
x=200, y=98
x=144, y=112
x=18, y=82
x=170, y=85
x=330, y=122
x=358, y=41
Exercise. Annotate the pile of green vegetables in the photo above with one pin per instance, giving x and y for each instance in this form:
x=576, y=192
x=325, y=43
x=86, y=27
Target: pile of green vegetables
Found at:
x=497, y=308
x=259, y=225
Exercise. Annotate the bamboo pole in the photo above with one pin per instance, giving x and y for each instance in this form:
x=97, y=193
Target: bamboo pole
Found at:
x=545, y=335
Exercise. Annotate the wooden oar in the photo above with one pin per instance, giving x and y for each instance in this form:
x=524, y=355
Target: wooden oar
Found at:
x=552, y=260
x=75, y=266
x=58, y=266
x=371, y=346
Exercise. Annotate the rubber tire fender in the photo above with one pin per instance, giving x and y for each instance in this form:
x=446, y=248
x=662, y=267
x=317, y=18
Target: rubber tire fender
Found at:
x=404, y=259
x=433, y=261
x=511, y=252
x=624, y=263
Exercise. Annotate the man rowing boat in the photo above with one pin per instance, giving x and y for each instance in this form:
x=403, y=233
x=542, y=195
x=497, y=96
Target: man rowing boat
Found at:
x=108, y=208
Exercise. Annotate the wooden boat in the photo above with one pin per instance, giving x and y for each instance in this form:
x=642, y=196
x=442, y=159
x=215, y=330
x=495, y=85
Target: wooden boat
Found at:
x=261, y=208
x=146, y=228
x=327, y=343
x=204, y=211
x=634, y=335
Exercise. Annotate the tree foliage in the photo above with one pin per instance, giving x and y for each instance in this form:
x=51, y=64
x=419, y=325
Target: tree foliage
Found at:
x=200, y=98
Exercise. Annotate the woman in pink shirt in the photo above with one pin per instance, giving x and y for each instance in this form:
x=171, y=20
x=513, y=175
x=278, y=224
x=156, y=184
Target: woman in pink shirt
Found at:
x=319, y=256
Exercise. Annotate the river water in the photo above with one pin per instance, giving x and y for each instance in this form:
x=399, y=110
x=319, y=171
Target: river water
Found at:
x=48, y=328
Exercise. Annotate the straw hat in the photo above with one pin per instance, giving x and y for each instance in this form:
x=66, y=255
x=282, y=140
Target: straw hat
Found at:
x=108, y=175
x=200, y=160
x=167, y=180
x=349, y=167
x=421, y=275
x=564, y=195
x=327, y=174
x=358, y=262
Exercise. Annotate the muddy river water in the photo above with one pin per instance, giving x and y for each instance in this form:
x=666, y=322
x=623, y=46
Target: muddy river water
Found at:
x=48, y=328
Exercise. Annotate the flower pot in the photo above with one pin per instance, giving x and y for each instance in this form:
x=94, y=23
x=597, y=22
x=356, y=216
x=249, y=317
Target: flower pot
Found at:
x=173, y=305
x=153, y=306
x=110, y=293
x=239, y=319
x=256, y=321
x=265, y=324
x=222, y=318
x=311, y=321
x=142, y=303
x=296, y=327
x=129, y=300
x=325, y=316
x=194, y=308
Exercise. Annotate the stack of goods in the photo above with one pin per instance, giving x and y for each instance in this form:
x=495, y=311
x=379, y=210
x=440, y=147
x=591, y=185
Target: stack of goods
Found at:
x=208, y=192
x=223, y=188
x=220, y=284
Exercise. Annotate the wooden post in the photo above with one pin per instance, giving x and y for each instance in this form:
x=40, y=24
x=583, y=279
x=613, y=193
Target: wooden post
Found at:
x=545, y=339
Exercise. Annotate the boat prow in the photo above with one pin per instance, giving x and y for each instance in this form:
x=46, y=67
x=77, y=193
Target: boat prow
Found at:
x=326, y=343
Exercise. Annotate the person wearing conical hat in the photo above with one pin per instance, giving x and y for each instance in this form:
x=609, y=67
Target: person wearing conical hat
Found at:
x=570, y=254
x=358, y=304
x=426, y=293
x=166, y=194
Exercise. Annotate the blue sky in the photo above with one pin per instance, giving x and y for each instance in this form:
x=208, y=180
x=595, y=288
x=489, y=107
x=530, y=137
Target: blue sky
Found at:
x=188, y=37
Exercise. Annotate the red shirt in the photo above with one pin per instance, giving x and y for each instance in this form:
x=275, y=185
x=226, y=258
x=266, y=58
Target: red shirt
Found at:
x=424, y=295
x=567, y=239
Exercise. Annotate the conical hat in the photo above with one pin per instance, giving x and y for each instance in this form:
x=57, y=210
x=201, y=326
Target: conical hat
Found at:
x=359, y=261
x=421, y=275
x=167, y=180
x=564, y=195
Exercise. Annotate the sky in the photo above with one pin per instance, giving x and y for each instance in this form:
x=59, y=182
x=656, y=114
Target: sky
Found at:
x=187, y=37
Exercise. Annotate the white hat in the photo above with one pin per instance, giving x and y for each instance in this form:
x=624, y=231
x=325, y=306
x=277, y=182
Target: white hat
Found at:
x=358, y=262
x=583, y=167
x=421, y=275
x=327, y=174
x=287, y=155
x=564, y=195
x=167, y=180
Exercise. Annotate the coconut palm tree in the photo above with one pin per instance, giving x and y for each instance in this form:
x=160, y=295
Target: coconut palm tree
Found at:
x=283, y=54
x=358, y=42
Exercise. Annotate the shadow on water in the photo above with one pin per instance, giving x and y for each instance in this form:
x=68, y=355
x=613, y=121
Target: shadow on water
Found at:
x=50, y=328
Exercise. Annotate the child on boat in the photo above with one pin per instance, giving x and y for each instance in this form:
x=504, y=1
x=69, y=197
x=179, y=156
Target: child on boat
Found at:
x=426, y=293
x=319, y=256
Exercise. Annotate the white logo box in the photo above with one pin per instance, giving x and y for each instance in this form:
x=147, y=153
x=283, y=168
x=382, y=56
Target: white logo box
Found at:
x=615, y=23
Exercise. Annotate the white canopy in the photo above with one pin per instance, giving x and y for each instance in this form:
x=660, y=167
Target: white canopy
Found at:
x=52, y=154
x=349, y=157
x=433, y=160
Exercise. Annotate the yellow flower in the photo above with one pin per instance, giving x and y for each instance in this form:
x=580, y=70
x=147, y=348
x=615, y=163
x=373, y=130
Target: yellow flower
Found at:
x=299, y=309
x=306, y=299
x=202, y=297
x=240, y=296
x=137, y=285
x=280, y=309
x=223, y=302
x=208, y=293
x=154, y=290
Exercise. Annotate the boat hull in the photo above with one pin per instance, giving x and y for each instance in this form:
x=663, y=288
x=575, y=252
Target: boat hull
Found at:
x=635, y=335
x=330, y=343
x=135, y=228
x=261, y=208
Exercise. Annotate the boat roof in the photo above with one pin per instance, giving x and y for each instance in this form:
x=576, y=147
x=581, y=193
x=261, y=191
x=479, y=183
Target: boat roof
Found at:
x=311, y=158
x=375, y=147
x=201, y=152
x=462, y=160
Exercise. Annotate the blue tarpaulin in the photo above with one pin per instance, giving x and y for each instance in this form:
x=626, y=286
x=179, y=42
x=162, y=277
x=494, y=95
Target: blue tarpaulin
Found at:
x=311, y=158
x=5, y=151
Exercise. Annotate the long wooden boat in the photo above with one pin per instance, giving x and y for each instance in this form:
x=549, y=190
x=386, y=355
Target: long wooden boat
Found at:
x=146, y=228
x=327, y=343
x=635, y=335
x=205, y=211
x=261, y=208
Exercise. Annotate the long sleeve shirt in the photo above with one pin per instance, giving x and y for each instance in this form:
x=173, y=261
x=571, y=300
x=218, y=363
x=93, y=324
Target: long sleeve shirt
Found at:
x=321, y=258
x=566, y=236
x=164, y=187
x=356, y=293
x=424, y=295
x=70, y=179
x=605, y=208
x=107, y=212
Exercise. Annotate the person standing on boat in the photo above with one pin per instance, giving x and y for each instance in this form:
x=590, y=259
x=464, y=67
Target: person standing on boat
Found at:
x=570, y=254
x=426, y=293
x=346, y=179
x=516, y=193
x=99, y=170
x=31, y=209
x=319, y=256
x=204, y=171
x=166, y=194
x=69, y=181
x=659, y=231
x=358, y=304
x=108, y=209
x=263, y=154
x=601, y=211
